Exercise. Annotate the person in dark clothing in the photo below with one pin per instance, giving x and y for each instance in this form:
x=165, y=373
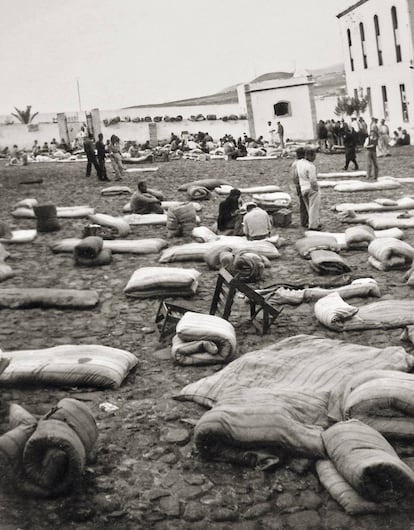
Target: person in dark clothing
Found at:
x=229, y=218
x=89, y=148
x=350, y=143
x=101, y=155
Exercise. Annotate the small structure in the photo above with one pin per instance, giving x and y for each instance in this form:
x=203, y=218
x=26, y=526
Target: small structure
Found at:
x=290, y=101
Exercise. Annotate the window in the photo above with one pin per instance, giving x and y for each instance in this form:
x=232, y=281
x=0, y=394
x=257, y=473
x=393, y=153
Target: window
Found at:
x=364, y=55
x=378, y=39
x=385, y=101
x=369, y=100
x=404, y=106
x=282, y=108
x=348, y=32
x=396, y=34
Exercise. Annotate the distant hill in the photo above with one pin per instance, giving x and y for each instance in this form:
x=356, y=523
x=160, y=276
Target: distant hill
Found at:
x=329, y=81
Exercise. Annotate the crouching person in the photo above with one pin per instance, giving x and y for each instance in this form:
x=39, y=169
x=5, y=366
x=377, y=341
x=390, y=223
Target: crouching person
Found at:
x=146, y=201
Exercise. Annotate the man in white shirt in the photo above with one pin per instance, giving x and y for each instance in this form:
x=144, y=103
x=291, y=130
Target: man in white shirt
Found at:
x=256, y=222
x=309, y=188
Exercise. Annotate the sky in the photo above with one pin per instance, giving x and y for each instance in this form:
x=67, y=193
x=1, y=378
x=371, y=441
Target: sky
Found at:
x=136, y=52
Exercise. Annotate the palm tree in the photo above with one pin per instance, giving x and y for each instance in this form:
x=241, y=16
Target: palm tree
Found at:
x=24, y=116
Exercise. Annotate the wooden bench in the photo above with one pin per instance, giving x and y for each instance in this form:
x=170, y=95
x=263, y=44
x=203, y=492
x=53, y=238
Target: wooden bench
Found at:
x=226, y=288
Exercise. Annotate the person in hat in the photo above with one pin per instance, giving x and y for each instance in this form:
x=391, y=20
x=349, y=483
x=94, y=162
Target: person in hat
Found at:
x=256, y=222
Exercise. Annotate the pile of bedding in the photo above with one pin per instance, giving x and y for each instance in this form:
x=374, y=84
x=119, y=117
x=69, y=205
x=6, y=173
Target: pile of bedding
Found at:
x=117, y=246
x=203, y=234
x=89, y=252
x=181, y=220
x=198, y=193
x=210, y=184
x=226, y=188
x=383, y=183
x=378, y=205
x=272, y=201
x=115, y=190
x=356, y=237
x=21, y=298
x=389, y=254
x=47, y=457
x=246, y=266
x=363, y=287
x=19, y=236
x=67, y=366
x=138, y=219
x=147, y=282
x=306, y=245
x=328, y=262
x=203, y=339
x=74, y=212
x=118, y=225
x=165, y=205
x=335, y=314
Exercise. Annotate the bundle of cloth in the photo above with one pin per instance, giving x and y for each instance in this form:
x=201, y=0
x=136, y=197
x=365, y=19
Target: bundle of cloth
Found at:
x=138, y=219
x=210, y=184
x=332, y=312
x=147, y=282
x=46, y=217
x=67, y=365
x=119, y=246
x=210, y=251
x=384, y=400
x=181, y=220
x=89, y=252
x=22, y=298
x=47, y=457
x=272, y=201
x=383, y=183
x=380, y=220
x=18, y=236
x=68, y=212
x=203, y=339
x=118, y=225
x=359, y=238
x=281, y=399
x=199, y=193
x=362, y=287
x=203, y=234
x=363, y=473
x=328, y=262
x=115, y=190
x=378, y=205
x=225, y=189
x=342, y=174
x=6, y=271
x=389, y=254
x=306, y=245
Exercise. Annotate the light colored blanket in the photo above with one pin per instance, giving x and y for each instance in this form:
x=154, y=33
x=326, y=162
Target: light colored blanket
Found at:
x=115, y=190
x=225, y=189
x=203, y=339
x=20, y=236
x=20, y=298
x=74, y=212
x=162, y=281
x=334, y=313
x=117, y=224
x=378, y=205
x=383, y=183
x=342, y=238
x=118, y=246
x=68, y=365
x=137, y=219
x=282, y=396
x=389, y=253
x=308, y=244
x=342, y=174
x=275, y=199
x=165, y=205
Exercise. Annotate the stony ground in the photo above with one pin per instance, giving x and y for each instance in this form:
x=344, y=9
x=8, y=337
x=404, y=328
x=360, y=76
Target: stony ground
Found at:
x=148, y=474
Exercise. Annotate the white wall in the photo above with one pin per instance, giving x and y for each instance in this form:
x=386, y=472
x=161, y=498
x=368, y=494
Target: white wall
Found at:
x=299, y=125
x=325, y=107
x=18, y=134
x=391, y=74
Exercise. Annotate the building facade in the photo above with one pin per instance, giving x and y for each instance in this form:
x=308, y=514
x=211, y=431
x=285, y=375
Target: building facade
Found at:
x=377, y=38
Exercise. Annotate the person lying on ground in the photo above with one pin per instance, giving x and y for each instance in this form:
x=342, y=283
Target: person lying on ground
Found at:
x=145, y=201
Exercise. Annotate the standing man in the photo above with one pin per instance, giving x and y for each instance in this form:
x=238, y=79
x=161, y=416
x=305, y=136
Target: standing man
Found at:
x=89, y=148
x=350, y=143
x=303, y=211
x=371, y=146
x=384, y=139
x=281, y=133
x=309, y=188
x=271, y=133
x=101, y=155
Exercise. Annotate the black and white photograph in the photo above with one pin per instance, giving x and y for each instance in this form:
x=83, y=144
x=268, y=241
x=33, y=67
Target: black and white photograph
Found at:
x=207, y=265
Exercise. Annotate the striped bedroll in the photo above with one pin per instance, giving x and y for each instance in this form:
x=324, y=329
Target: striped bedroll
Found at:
x=203, y=339
x=390, y=253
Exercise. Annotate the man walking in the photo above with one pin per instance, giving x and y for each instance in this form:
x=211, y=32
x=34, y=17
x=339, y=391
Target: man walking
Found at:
x=350, y=143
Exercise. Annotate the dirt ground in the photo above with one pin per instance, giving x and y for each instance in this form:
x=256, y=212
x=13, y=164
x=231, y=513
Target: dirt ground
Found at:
x=148, y=473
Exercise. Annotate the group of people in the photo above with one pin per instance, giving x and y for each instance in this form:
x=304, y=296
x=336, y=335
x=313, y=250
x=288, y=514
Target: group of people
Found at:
x=332, y=133
x=96, y=154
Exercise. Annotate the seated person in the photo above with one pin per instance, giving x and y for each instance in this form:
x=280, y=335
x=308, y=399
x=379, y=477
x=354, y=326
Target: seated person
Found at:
x=404, y=139
x=14, y=156
x=63, y=145
x=145, y=200
x=35, y=149
x=229, y=220
x=133, y=151
x=45, y=149
x=256, y=222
